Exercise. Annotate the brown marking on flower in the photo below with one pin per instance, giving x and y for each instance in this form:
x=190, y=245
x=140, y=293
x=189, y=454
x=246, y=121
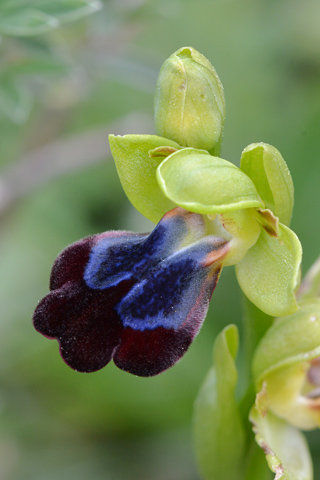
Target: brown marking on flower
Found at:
x=265, y=447
x=160, y=152
x=268, y=221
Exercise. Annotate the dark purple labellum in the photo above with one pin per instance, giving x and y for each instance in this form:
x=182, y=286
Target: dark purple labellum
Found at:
x=139, y=299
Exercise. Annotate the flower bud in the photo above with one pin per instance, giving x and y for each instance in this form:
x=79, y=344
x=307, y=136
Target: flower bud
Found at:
x=286, y=367
x=189, y=101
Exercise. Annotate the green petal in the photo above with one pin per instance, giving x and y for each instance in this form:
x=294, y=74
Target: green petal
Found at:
x=271, y=176
x=244, y=229
x=219, y=434
x=285, y=447
x=269, y=273
x=137, y=172
x=198, y=182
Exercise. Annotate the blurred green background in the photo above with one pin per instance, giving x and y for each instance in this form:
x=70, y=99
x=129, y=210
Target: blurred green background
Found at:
x=62, y=92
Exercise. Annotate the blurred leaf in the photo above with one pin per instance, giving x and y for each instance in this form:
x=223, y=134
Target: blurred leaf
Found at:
x=69, y=10
x=35, y=17
x=26, y=22
x=15, y=101
x=219, y=433
x=36, y=65
x=256, y=466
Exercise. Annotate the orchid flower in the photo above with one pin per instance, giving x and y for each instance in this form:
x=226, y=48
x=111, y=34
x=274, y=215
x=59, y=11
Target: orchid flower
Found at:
x=141, y=299
x=250, y=207
x=137, y=299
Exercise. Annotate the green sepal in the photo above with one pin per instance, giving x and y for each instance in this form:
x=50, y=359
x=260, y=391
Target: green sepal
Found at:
x=137, y=172
x=218, y=430
x=269, y=273
x=271, y=176
x=285, y=447
x=198, y=182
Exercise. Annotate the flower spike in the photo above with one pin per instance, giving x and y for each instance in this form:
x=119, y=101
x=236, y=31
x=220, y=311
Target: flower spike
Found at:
x=137, y=299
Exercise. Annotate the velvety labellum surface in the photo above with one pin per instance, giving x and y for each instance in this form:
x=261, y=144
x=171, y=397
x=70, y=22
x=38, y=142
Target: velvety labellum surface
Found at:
x=139, y=299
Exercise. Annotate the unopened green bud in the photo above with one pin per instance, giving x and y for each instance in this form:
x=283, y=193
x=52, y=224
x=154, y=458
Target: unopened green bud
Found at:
x=189, y=101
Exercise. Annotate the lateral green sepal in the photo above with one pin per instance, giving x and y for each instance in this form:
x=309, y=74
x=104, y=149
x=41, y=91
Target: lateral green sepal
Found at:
x=137, y=172
x=269, y=273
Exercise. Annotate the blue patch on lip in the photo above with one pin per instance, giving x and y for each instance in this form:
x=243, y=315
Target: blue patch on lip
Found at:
x=111, y=261
x=117, y=258
x=167, y=296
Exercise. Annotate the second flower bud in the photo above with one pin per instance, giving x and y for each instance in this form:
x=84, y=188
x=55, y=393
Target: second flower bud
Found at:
x=189, y=101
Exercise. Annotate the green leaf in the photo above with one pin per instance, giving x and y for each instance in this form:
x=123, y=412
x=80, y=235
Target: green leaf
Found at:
x=285, y=447
x=22, y=19
x=27, y=21
x=271, y=176
x=269, y=273
x=198, y=182
x=69, y=10
x=218, y=429
x=137, y=172
x=35, y=66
